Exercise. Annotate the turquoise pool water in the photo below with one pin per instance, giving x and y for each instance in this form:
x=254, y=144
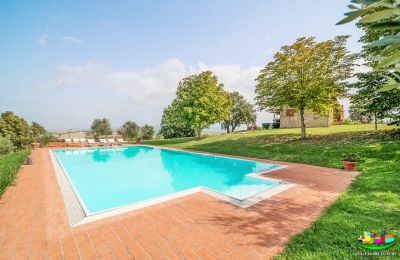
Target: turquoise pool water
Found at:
x=107, y=178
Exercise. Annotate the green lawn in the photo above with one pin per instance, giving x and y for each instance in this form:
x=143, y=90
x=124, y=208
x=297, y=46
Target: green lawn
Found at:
x=372, y=201
x=9, y=166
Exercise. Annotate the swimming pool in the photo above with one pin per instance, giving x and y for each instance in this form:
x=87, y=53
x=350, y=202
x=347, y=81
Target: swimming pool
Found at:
x=109, y=178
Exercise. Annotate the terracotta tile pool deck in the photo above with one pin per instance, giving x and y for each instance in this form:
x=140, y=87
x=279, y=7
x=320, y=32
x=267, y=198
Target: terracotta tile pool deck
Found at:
x=34, y=224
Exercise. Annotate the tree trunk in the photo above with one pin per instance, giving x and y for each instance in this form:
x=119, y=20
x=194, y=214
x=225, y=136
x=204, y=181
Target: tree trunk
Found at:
x=302, y=124
x=227, y=129
x=198, y=131
x=376, y=122
x=233, y=128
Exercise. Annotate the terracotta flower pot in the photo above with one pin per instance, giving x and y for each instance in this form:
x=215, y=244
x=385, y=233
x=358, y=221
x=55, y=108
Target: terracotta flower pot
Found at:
x=35, y=145
x=349, y=166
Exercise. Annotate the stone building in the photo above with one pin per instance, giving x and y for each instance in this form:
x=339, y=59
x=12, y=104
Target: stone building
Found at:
x=290, y=118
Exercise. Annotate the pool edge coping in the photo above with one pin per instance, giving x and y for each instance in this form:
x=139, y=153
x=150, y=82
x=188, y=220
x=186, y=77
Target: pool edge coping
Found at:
x=78, y=214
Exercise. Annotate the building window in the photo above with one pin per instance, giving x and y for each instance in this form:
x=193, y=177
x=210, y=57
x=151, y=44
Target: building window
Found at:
x=290, y=112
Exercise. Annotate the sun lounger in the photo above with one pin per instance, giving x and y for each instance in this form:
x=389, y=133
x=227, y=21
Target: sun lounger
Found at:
x=91, y=142
x=83, y=141
x=111, y=141
x=68, y=141
x=121, y=141
x=76, y=141
x=104, y=141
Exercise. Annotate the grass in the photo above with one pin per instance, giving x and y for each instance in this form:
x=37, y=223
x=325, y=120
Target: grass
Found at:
x=371, y=202
x=9, y=166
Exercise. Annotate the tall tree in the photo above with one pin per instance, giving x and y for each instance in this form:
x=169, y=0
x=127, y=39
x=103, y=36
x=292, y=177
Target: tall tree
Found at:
x=241, y=112
x=37, y=130
x=101, y=127
x=201, y=101
x=147, y=132
x=172, y=126
x=381, y=24
x=305, y=76
x=130, y=131
x=15, y=128
x=368, y=98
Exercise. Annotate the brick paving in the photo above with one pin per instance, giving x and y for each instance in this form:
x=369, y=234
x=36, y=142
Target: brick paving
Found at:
x=34, y=224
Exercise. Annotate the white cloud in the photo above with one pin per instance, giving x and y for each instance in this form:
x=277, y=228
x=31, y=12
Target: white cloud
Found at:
x=235, y=78
x=159, y=82
x=41, y=39
x=72, y=39
x=88, y=67
x=145, y=93
x=151, y=89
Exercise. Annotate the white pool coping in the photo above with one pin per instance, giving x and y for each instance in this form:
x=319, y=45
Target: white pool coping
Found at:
x=78, y=214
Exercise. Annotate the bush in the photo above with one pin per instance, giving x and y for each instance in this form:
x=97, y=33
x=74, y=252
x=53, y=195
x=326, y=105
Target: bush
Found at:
x=266, y=125
x=6, y=146
x=351, y=157
x=348, y=121
x=9, y=166
x=45, y=138
x=276, y=125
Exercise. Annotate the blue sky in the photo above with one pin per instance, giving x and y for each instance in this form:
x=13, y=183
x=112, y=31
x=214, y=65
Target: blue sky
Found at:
x=64, y=63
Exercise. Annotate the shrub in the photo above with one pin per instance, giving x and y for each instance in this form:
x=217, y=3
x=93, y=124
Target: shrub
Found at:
x=348, y=121
x=351, y=157
x=266, y=125
x=45, y=138
x=9, y=166
x=6, y=146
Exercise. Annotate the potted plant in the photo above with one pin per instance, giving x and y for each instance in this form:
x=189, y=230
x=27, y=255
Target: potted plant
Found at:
x=350, y=161
x=35, y=145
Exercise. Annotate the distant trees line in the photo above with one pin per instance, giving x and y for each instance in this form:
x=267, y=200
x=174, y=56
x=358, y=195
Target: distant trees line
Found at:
x=16, y=133
x=130, y=130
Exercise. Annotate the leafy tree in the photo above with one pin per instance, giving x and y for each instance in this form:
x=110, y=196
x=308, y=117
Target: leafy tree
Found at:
x=305, y=76
x=37, y=130
x=130, y=131
x=6, y=146
x=381, y=23
x=147, y=132
x=370, y=100
x=358, y=114
x=241, y=112
x=45, y=138
x=201, y=101
x=101, y=127
x=172, y=127
x=16, y=128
